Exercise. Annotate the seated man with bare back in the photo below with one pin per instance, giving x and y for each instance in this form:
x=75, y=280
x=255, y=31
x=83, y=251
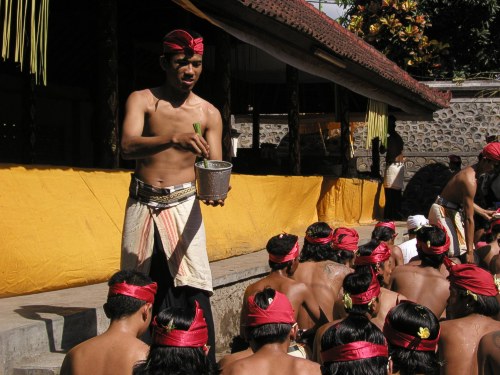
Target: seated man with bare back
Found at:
x=377, y=257
x=283, y=252
x=360, y=297
x=424, y=283
x=488, y=253
x=488, y=354
x=116, y=351
x=270, y=326
x=471, y=308
x=320, y=270
x=385, y=231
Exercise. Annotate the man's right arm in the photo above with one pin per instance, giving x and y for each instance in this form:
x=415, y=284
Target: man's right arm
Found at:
x=134, y=145
x=468, y=206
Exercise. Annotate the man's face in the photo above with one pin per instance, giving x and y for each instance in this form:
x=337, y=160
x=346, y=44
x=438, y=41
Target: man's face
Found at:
x=385, y=270
x=183, y=71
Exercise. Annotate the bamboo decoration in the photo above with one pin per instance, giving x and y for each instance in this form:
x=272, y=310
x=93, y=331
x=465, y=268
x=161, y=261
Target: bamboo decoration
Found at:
x=376, y=120
x=35, y=30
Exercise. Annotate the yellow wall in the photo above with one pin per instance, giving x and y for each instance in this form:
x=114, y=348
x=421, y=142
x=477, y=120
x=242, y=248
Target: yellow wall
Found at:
x=61, y=227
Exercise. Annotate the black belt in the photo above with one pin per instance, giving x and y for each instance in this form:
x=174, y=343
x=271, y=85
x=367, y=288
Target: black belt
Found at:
x=447, y=204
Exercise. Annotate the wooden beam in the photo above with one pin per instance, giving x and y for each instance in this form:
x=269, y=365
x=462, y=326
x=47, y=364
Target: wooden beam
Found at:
x=292, y=81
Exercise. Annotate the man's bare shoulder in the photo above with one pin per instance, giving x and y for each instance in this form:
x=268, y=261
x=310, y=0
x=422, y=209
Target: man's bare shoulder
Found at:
x=305, y=366
x=334, y=270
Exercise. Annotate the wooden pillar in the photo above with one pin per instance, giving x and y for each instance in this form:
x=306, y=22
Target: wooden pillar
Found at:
x=255, y=123
x=106, y=135
x=223, y=74
x=292, y=81
x=342, y=111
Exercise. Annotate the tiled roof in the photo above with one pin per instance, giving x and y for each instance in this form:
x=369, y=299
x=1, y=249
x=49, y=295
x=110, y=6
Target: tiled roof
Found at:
x=305, y=20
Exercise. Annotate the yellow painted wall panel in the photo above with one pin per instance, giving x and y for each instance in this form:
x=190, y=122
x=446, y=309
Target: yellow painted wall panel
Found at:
x=61, y=227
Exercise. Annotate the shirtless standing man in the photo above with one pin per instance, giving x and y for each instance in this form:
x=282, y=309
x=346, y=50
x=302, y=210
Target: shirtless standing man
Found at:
x=457, y=195
x=129, y=304
x=163, y=232
x=424, y=283
x=471, y=308
x=320, y=271
x=270, y=325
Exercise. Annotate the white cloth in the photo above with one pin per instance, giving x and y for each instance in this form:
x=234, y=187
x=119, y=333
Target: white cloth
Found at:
x=409, y=250
x=394, y=176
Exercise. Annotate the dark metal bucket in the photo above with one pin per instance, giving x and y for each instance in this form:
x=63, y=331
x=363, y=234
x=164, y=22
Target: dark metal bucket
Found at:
x=212, y=183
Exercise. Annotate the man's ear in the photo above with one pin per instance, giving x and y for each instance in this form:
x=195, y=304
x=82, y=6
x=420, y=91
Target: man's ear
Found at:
x=293, y=332
x=146, y=311
x=163, y=62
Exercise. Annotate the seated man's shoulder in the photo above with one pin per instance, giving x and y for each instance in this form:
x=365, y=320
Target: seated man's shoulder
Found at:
x=305, y=366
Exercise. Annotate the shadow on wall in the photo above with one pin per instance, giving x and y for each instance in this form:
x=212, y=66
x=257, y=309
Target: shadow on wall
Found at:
x=423, y=188
x=79, y=324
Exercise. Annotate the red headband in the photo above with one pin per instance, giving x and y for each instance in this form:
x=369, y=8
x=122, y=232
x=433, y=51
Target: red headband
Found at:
x=354, y=351
x=320, y=240
x=195, y=337
x=180, y=41
x=294, y=253
x=381, y=253
x=434, y=250
x=492, y=151
x=366, y=297
x=144, y=293
x=345, y=239
x=472, y=278
x=280, y=310
x=404, y=340
x=387, y=224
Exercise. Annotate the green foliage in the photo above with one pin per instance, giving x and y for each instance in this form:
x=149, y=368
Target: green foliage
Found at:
x=397, y=28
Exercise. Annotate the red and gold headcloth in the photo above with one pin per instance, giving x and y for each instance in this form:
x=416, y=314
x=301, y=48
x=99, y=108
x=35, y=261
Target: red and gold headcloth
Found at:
x=386, y=224
x=144, y=293
x=195, y=337
x=294, y=253
x=419, y=342
x=345, y=239
x=180, y=41
x=492, y=151
x=319, y=240
x=472, y=278
x=427, y=248
x=280, y=310
x=354, y=351
x=363, y=298
x=380, y=254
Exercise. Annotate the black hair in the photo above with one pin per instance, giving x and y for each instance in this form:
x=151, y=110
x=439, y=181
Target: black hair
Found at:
x=267, y=333
x=343, y=255
x=120, y=306
x=367, y=250
x=175, y=360
x=318, y=252
x=382, y=233
x=409, y=317
x=352, y=329
x=490, y=236
x=280, y=245
x=436, y=237
x=484, y=305
x=193, y=33
x=356, y=283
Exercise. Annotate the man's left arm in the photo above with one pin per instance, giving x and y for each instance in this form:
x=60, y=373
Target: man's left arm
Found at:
x=468, y=206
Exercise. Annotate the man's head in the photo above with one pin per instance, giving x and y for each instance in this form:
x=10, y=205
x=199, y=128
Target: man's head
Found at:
x=270, y=318
x=345, y=243
x=377, y=256
x=129, y=291
x=283, y=251
x=455, y=162
x=412, y=331
x=432, y=245
x=472, y=290
x=318, y=243
x=414, y=222
x=354, y=346
x=490, y=157
x=361, y=292
x=182, y=59
x=391, y=124
x=385, y=231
